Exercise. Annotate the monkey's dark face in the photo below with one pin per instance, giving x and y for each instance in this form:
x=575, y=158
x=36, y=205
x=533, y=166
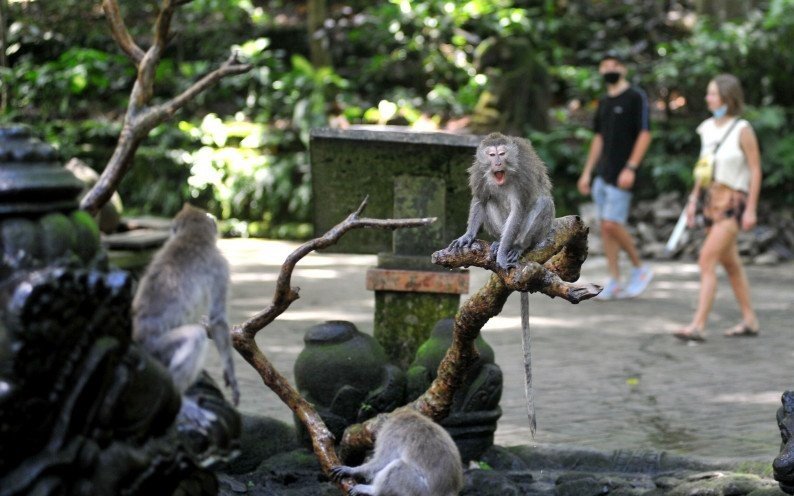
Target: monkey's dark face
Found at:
x=497, y=160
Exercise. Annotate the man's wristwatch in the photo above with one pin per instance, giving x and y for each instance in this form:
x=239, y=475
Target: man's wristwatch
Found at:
x=632, y=167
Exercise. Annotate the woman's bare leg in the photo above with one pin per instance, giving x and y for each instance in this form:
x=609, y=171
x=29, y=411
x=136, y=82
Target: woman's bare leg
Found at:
x=720, y=238
x=741, y=286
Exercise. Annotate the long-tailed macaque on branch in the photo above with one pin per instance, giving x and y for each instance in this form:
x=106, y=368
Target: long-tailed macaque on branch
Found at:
x=511, y=197
x=187, y=280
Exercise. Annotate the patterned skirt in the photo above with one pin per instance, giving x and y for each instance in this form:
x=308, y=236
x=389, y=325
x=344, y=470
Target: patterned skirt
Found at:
x=722, y=202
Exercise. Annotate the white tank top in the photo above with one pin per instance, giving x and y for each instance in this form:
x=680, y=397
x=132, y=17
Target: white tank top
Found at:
x=730, y=164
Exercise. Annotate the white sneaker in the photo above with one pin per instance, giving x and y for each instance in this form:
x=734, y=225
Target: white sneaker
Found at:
x=640, y=278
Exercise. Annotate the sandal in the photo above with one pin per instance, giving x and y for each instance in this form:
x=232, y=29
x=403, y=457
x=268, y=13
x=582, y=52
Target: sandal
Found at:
x=690, y=333
x=741, y=330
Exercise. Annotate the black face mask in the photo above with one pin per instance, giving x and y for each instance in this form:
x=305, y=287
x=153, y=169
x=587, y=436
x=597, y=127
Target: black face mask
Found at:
x=611, y=77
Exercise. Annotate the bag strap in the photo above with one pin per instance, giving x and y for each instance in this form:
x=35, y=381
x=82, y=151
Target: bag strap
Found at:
x=717, y=147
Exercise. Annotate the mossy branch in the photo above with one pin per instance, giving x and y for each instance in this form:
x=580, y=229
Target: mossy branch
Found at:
x=550, y=269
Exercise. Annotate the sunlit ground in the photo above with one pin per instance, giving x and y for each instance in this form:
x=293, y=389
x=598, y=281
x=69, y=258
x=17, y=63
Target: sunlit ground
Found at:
x=607, y=375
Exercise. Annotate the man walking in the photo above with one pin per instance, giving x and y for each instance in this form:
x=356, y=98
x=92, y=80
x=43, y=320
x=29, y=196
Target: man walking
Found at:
x=622, y=136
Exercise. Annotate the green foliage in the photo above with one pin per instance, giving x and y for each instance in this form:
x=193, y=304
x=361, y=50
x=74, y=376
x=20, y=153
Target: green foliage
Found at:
x=235, y=170
x=772, y=125
x=563, y=149
x=424, y=62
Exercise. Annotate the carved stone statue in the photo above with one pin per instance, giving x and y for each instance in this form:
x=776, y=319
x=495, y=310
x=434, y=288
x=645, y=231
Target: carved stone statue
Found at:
x=783, y=465
x=345, y=374
x=83, y=410
x=475, y=406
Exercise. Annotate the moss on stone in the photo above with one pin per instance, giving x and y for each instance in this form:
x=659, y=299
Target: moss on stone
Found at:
x=86, y=240
x=345, y=171
x=403, y=321
x=57, y=235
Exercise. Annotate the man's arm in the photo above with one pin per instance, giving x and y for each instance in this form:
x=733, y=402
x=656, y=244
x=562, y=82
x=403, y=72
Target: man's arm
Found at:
x=596, y=147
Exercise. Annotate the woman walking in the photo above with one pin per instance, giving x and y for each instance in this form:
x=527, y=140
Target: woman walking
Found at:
x=730, y=201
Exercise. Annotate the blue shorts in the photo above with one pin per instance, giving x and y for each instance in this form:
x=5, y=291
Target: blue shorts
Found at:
x=612, y=203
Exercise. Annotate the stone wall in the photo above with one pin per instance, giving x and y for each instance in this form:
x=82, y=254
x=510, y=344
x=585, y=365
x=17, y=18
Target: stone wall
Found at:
x=349, y=164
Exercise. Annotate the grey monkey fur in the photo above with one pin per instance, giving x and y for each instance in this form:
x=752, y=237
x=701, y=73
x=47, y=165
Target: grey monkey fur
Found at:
x=517, y=208
x=519, y=213
x=413, y=456
x=187, y=279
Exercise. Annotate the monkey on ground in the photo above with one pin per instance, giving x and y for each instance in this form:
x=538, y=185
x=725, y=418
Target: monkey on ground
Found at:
x=511, y=197
x=413, y=456
x=187, y=279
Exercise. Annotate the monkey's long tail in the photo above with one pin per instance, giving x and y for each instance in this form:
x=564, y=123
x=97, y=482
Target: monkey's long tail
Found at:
x=525, y=341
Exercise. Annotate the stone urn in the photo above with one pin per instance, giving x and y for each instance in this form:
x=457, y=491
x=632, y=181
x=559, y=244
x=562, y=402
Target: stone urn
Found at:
x=345, y=374
x=475, y=406
x=39, y=220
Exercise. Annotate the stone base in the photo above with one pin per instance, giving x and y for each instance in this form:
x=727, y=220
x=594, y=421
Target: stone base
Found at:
x=418, y=281
x=403, y=320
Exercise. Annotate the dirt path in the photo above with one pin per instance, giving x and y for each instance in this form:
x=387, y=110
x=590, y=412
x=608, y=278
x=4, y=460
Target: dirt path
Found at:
x=608, y=375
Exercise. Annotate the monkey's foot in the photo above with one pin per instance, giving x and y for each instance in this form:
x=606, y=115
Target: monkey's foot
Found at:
x=362, y=490
x=231, y=382
x=494, y=250
x=192, y=415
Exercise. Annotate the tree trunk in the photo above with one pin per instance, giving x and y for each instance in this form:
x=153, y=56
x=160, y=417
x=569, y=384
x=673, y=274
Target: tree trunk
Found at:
x=3, y=47
x=318, y=39
x=725, y=10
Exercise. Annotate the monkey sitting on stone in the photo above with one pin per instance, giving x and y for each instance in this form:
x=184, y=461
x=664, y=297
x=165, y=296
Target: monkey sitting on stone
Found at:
x=511, y=196
x=187, y=279
x=413, y=456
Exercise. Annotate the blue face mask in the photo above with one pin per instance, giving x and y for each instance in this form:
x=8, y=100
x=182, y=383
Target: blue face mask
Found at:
x=720, y=112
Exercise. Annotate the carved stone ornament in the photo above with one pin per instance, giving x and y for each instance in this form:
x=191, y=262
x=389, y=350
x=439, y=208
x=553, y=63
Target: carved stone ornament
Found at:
x=83, y=410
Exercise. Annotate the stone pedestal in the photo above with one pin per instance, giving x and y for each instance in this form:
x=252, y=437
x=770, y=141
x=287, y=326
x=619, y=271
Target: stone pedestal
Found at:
x=411, y=293
x=406, y=174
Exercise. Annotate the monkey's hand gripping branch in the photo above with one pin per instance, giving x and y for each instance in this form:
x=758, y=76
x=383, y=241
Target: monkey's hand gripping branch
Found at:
x=243, y=336
x=551, y=269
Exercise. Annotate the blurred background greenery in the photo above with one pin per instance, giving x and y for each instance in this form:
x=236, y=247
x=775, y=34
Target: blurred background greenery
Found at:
x=522, y=67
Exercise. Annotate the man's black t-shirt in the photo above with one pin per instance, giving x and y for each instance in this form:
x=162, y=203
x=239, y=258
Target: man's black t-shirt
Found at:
x=619, y=120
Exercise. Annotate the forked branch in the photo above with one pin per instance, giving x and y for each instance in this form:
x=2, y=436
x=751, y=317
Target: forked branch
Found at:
x=141, y=117
x=243, y=336
x=550, y=269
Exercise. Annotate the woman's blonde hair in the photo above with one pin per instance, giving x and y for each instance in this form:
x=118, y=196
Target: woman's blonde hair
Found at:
x=731, y=93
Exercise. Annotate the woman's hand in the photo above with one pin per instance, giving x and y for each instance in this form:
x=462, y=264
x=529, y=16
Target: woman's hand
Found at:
x=749, y=219
x=691, y=212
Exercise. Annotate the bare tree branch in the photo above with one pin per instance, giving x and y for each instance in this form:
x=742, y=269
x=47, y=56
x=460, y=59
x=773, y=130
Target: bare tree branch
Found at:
x=243, y=336
x=148, y=66
x=231, y=66
x=565, y=240
x=141, y=117
x=286, y=294
x=120, y=32
x=561, y=257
